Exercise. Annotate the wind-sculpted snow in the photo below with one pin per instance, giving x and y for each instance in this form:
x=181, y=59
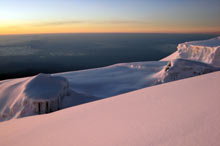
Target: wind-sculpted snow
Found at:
x=207, y=51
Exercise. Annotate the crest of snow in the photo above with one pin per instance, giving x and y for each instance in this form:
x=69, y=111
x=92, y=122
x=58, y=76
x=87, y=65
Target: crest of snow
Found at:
x=207, y=51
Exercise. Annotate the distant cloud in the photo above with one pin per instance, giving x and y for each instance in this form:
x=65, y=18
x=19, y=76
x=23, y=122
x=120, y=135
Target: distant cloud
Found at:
x=121, y=22
x=56, y=23
x=53, y=23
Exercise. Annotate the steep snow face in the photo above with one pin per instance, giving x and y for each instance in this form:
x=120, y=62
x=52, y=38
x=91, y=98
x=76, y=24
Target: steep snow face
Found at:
x=207, y=51
x=180, y=113
x=181, y=68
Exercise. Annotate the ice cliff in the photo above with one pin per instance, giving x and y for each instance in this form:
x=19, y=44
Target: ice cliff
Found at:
x=39, y=94
x=207, y=51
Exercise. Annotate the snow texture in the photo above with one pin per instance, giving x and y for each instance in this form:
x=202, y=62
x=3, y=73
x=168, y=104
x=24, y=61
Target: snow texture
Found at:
x=180, y=113
x=207, y=51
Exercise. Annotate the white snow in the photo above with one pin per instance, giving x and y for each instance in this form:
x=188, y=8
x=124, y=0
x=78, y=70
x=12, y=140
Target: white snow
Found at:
x=113, y=80
x=180, y=113
x=207, y=51
x=125, y=77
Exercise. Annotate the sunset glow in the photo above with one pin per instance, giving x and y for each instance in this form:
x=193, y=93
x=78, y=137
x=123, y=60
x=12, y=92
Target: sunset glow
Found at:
x=98, y=16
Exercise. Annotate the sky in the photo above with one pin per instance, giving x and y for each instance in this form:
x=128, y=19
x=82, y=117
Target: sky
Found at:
x=100, y=16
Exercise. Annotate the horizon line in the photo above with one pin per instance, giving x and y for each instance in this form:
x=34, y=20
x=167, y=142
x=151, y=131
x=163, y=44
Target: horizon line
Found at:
x=217, y=33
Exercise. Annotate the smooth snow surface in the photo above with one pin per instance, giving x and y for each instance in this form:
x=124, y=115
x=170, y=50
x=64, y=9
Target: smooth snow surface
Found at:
x=207, y=51
x=45, y=86
x=180, y=113
x=113, y=80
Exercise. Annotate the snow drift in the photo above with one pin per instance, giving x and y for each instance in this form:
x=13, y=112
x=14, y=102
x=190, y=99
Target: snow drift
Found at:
x=207, y=51
x=185, y=112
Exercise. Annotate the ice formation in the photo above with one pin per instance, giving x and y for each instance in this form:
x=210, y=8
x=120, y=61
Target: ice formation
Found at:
x=45, y=92
x=181, y=68
x=207, y=51
x=39, y=94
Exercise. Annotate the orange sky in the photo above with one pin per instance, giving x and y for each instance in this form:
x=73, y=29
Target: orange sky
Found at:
x=101, y=28
x=87, y=16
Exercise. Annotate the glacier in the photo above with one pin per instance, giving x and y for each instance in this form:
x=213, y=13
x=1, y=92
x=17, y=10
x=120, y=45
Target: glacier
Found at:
x=207, y=51
x=46, y=93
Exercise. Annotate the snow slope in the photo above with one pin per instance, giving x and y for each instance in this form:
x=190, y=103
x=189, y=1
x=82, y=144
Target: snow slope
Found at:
x=207, y=51
x=180, y=113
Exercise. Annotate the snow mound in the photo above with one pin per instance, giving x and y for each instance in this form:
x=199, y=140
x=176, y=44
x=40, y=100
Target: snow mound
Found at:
x=46, y=87
x=181, y=68
x=207, y=51
x=28, y=96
